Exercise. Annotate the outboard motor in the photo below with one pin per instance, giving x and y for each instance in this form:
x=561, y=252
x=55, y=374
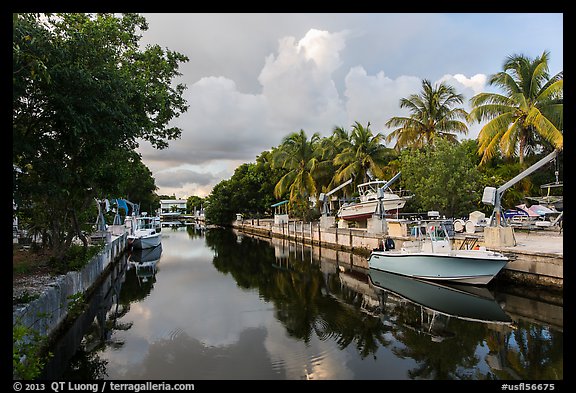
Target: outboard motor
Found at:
x=389, y=244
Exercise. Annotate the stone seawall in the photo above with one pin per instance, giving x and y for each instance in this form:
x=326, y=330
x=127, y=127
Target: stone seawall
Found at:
x=46, y=314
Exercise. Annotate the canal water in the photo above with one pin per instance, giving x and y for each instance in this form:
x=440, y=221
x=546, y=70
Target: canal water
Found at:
x=217, y=304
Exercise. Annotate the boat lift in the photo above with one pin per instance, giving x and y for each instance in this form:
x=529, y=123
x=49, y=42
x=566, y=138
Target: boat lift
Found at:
x=324, y=197
x=493, y=195
x=380, y=194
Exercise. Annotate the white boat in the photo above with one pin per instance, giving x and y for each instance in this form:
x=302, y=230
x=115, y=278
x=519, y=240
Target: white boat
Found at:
x=144, y=233
x=433, y=258
x=368, y=201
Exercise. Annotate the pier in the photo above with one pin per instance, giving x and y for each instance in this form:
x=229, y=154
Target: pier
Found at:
x=538, y=256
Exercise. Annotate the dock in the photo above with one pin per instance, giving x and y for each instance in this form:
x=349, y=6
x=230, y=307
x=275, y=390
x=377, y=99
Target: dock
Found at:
x=537, y=256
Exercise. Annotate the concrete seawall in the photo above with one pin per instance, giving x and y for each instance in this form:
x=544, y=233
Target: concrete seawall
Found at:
x=534, y=263
x=48, y=312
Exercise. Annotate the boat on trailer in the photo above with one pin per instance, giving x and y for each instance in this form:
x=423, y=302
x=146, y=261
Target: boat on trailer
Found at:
x=373, y=196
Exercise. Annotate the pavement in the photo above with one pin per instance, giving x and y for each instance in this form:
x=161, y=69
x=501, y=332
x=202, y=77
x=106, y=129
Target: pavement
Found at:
x=547, y=242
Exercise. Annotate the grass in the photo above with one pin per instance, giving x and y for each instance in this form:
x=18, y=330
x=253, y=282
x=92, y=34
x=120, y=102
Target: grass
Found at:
x=28, y=261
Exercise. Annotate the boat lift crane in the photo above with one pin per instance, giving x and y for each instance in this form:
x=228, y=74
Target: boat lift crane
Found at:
x=493, y=195
x=380, y=194
x=324, y=197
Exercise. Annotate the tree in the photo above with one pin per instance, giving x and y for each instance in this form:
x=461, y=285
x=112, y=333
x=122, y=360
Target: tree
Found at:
x=443, y=177
x=84, y=93
x=250, y=191
x=433, y=117
x=361, y=155
x=194, y=203
x=299, y=156
x=529, y=114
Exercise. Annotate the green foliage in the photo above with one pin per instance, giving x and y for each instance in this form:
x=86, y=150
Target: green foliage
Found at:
x=443, y=177
x=85, y=93
x=194, y=203
x=28, y=356
x=75, y=258
x=249, y=191
x=76, y=304
x=219, y=209
x=528, y=116
x=25, y=297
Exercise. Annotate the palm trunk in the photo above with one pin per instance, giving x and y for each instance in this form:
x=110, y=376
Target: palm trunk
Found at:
x=521, y=146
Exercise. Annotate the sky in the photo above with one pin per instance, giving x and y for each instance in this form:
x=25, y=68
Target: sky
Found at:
x=254, y=78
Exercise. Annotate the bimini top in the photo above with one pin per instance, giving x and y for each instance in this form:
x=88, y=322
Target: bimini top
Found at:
x=279, y=203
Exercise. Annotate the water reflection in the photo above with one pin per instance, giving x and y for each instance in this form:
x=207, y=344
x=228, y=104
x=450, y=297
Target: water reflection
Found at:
x=466, y=302
x=144, y=261
x=226, y=305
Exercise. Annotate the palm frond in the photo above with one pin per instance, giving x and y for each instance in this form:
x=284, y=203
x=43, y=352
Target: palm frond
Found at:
x=509, y=139
x=554, y=111
x=284, y=183
x=488, y=112
x=545, y=128
x=551, y=91
x=504, y=81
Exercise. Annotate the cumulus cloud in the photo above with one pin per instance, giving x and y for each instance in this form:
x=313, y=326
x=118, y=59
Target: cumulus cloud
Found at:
x=376, y=98
x=297, y=83
x=475, y=84
x=224, y=127
x=254, y=78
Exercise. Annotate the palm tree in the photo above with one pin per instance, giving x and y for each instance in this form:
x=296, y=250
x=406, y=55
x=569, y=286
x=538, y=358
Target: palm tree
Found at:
x=432, y=116
x=330, y=147
x=362, y=154
x=299, y=156
x=530, y=112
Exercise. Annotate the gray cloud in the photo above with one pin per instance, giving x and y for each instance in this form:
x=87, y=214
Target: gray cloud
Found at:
x=181, y=177
x=254, y=78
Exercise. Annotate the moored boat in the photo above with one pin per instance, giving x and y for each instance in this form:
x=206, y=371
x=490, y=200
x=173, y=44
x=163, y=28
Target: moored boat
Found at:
x=144, y=233
x=433, y=258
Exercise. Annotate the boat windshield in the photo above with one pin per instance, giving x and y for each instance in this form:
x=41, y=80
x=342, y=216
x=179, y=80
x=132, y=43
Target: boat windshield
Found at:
x=437, y=231
x=145, y=223
x=434, y=230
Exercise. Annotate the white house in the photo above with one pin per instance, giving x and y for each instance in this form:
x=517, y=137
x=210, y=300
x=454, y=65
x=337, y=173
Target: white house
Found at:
x=172, y=205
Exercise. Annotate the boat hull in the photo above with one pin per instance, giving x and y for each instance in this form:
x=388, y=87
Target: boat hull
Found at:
x=468, y=267
x=362, y=210
x=147, y=241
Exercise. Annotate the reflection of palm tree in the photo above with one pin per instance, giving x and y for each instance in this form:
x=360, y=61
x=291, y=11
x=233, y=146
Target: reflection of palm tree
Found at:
x=303, y=303
x=437, y=353
x=366, y=331
x=539, y=353
x=298, y=292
